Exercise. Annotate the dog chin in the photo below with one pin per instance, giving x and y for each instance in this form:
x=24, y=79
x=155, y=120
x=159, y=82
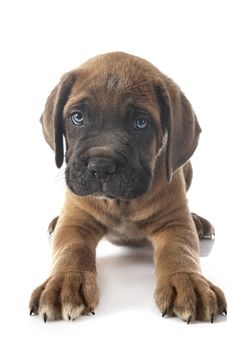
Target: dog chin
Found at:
x=101, y=195
x=105, y=196
x=110, y=190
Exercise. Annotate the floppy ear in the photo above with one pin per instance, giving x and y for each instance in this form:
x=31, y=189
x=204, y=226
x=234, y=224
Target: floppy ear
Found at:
x=51, y=119
x=181, y=124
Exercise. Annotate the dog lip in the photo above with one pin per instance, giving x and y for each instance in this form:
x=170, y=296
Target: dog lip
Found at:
x=102, y=195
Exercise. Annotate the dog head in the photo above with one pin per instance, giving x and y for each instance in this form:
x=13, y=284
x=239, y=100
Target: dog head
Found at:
x=117, y=113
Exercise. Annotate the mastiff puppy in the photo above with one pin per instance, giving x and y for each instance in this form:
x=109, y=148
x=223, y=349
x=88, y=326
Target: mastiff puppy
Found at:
x=128, y=132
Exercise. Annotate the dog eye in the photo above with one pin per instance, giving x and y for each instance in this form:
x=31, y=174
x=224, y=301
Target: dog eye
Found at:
x=140, y=123
x=77, y=118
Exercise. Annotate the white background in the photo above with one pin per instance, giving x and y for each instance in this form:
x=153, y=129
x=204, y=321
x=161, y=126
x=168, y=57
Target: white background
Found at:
x=203, y=46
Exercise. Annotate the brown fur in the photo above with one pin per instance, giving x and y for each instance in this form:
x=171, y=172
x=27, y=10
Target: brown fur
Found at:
x=159, y=216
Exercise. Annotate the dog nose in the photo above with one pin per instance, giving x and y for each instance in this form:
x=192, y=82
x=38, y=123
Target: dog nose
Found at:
x=100, y=168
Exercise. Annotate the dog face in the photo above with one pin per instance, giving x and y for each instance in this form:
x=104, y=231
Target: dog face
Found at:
x=111, y=148
x=113, y=132
x=117, y=113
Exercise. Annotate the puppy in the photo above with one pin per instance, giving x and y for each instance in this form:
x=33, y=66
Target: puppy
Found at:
x=129, y=133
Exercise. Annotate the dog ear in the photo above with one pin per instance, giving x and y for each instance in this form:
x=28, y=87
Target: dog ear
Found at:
x=51, y=119
x=180, y=123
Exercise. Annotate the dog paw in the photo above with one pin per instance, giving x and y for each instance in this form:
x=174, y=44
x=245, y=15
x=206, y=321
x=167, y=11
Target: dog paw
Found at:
x=65, y=296
x=189, y=296
x=203, y=227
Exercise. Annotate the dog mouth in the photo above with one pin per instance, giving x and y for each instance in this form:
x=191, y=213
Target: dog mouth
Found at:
x=126, y=184
x=101, y=192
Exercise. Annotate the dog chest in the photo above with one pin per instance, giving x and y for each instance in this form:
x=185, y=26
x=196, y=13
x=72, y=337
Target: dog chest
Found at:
x=126, y=233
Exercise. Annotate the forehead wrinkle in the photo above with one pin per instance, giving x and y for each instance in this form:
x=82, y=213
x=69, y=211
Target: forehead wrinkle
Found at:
x=120, y=99
x=110, y=90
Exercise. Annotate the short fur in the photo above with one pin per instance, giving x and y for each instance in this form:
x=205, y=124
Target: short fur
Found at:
x=125, y=184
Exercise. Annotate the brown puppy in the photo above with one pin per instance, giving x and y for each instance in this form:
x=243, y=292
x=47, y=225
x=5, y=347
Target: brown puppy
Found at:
x=129, y=133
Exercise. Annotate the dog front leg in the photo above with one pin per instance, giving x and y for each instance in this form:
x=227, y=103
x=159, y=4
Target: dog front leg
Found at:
x=71, y=289
x=181, y=289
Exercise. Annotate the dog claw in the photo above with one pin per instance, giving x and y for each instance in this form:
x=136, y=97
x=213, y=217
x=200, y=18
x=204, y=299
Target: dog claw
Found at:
x=92, y=312
x=225, y=311
x=69, y=318
x=212, y=318
x=189, y=319
x=164, y=313
x=45, y=317
x=31, y=311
